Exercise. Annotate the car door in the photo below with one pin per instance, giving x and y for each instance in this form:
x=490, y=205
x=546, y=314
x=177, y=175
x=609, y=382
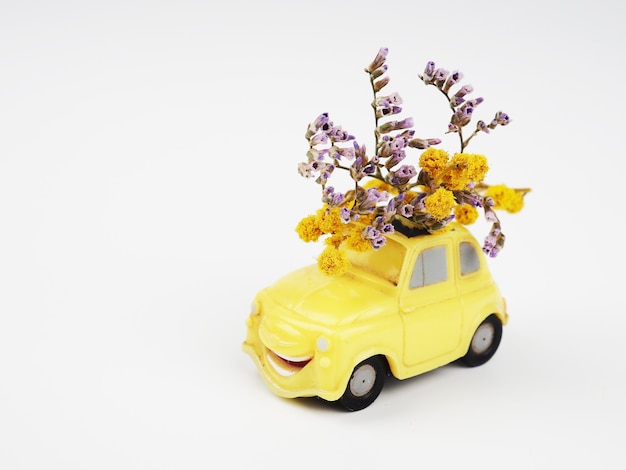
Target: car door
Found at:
x=430, y=304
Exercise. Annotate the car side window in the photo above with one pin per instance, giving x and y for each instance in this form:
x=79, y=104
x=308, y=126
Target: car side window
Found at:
x=431, y=267
x=470, y=262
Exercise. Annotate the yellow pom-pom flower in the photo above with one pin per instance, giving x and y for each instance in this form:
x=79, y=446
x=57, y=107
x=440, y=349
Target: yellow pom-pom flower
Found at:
x=465, y=214
x=477, y=167
x=505, y=198
x=330, y=220
x=463, y=169
x=333, y=261
x=434, y=161
x=356, y=242
x=440, y=203
x=308, y=228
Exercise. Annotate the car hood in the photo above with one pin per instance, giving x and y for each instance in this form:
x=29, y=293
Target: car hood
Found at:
x=331, y=300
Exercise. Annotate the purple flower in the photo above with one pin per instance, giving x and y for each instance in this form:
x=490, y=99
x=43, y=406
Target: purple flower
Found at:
x=386, y=101
x=356, y=169
x=418, y=202
x=378, y=242
x=482, y=126
x=319, y=138
x=388, y=111
x=367, y=199
x=339, y=152
x=344, y=214
x=490, y=215
x=330, y=197
x=456, y=101
x=369, y=169
x=380, y=84
x=374, y=196
x=359, y=151
x=379, y=60
x=378, y=72
x=423, y=143
x=464, y=90
x=321, y=121
x=429, y=73
x=396, y=158
x=406, y=210
x=494, y=241
x=314, y=155
x=337, y=134
x=402, y=175
x=501, y=119
x=458, y=97
x=395, y=125
x=325, y=169
x=391, y=145
x=467, y=197
x=452, y=79
x=461, y=117
x=452, y=128
x=306, y=169
x=370, y=233
x=440, y=77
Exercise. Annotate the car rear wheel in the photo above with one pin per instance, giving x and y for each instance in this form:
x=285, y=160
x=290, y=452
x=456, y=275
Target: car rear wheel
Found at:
x=485, y=342
x=365, y=384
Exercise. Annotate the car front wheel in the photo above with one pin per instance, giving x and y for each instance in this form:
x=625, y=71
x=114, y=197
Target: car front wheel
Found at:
x=485, y=342
x=365, y=384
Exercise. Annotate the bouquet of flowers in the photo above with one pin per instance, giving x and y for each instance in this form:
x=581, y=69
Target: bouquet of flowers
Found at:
x=390, y=192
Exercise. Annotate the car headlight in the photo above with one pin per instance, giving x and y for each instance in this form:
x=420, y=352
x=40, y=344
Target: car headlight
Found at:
x=323, y=344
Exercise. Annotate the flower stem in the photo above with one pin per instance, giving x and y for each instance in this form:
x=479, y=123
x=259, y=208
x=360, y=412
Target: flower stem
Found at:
x=376, y=135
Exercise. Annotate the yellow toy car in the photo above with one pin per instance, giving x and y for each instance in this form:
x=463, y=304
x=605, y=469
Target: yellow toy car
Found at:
x=415, y=304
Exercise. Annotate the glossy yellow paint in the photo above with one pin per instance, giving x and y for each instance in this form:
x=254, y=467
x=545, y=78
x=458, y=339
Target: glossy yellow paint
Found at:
x=308, y=331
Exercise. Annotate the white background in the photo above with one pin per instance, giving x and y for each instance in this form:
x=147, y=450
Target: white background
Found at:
x=148, y=189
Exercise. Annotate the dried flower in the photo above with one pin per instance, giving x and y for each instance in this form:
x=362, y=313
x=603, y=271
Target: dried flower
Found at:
x=333, y=261
x=429, y=73
x=465, y=214
x=423, y=143
x=431, y=196
x=506, y=198
x=379, y=60
x=440, y=203
x=452, y=79
x=434, y=162
x=395, y=125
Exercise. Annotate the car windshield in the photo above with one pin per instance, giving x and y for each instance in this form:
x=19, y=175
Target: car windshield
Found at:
x=386, y=262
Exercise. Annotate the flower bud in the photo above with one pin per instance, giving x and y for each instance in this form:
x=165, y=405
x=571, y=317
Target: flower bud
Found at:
x=502, y=118
x=380, y=84
x=423, y=143
x=461, y=117
x=378, y=72
x=429, y=73
x=464, y=90
x=482, y=126
x=388, y=100
x=317, y=139
x=379, y=60
x=452, y=79
x=440, y=77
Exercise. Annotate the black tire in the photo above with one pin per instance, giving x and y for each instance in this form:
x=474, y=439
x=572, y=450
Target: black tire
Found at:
x=365, y=384
x=485, y=342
